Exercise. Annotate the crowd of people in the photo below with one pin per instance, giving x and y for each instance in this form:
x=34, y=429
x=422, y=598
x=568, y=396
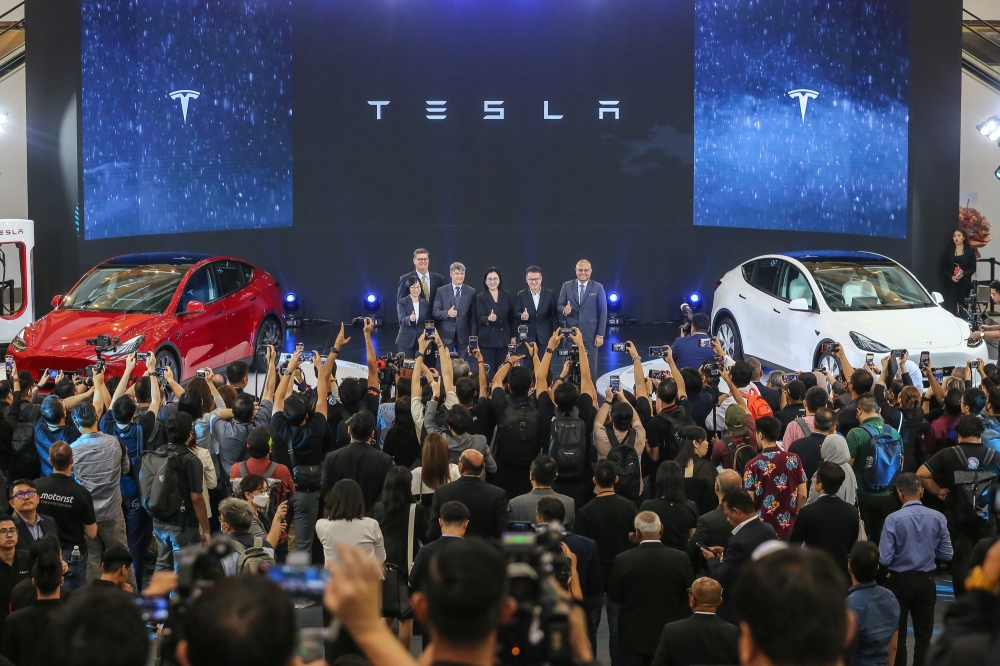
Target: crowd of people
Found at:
x=708, y=516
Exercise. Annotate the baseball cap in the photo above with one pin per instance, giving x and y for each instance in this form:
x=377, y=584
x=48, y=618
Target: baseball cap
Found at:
x=260, y=442
x=736, y=420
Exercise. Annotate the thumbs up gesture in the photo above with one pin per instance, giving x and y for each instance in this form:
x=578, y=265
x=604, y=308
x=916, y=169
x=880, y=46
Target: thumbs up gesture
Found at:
x=453, y=312
x=568, y=309
x=525, y=315
x=493, y=316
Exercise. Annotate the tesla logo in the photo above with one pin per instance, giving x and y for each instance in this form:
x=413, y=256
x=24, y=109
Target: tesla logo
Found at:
x=185, y=96
x=803, y=96
x=492, y=109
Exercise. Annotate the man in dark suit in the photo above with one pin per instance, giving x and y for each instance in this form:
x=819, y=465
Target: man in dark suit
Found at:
x=452, y=522
x=713, y=528
x=749, y=531
x=829, y=523
x=702, y=638
x=536, y=308
x=359, y=461
x=770, y=395
x=650, y=582
x=487, y=504
x=429, y=282
x=455, y=312
x=31, y=525
x=584, y=304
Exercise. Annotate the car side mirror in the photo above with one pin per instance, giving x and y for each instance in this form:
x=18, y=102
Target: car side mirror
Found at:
x=57, y=300
x=193, y=308
x=938, y=298
x=799, y=305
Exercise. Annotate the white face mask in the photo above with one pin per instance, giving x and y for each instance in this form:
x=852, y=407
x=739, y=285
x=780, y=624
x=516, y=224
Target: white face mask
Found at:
x=261, y=500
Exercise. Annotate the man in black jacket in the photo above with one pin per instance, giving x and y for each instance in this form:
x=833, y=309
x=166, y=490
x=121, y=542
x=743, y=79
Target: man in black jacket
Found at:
x=27, y=632
x=30, y=523
x=487, y=504
x=648, y=602
x=749, y=531
x=359, y=461
x=702, y=638
x=713, y=528
x=454, y=310
x=429, y=282
x=829, y=523
x=536, y=308
x=453, y=521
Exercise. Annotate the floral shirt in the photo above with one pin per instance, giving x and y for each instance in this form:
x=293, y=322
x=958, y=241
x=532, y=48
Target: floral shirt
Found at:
x=773, y=477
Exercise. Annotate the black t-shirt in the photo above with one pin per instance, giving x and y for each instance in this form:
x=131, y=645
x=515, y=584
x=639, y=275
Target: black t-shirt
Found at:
x=808, y=449
x=11, y=575
x=608, y=520
x=70, y=504
x=677, y=518
x=482, y=418
x=306, y=440
x=336, y=418
x=789, y=414
x=701, y=407
x=191, y=474
x=946, y=462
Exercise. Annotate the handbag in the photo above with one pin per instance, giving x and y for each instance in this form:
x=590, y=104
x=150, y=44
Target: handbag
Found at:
x=308, y=477
x=395, y=593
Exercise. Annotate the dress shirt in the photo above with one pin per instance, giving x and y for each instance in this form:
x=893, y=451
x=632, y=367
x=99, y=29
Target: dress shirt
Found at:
x=35, y=528
x=581, y=289
x=877, y=611
x=535, y=297
x=740, y=526
x=913, y=537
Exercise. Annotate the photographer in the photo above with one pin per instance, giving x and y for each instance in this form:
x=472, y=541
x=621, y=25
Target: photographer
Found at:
x=693, y=350
x=519, y=434
x=464, y=601
x=354, y=395
x=232, y=435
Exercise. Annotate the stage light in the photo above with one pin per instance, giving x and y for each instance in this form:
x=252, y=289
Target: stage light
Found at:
x=986, y=127
x=291, y=302
x=614, y=301
x=997, y=173
x=372, y=302
x=694, y=298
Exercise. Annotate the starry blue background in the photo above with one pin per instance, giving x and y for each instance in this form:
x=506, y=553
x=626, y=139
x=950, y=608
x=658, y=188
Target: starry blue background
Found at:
x=146, y=171
x=757, y=164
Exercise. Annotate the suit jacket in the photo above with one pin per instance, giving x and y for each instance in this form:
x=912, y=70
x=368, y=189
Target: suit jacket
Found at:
x=650, y=582
x=700, y=639
x=423, y=559
x=830, y=524
x=522, y=508
x=434, y=283
x=738, y=551
x=588, y=566
x=456, y=330
x=362, y=463
x=713, y=529
x=24, y=538
x=590, y=316
x=486, y=503
x=495, y=333
x=409, y=331
x=541, y=321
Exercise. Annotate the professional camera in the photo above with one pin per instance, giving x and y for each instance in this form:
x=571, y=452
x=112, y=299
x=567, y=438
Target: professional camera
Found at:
x=688, y=319
x=713, y=370
x=103, y=343
x=571, y=354
x=389, y=367
x=539, y=631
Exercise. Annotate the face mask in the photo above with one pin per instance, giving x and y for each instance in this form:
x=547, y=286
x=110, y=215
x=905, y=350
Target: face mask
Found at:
x=261, y=500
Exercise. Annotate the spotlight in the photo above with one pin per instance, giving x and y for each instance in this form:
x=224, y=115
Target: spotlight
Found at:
x=372, y=302
x=614, y=305
x=986, y=127
x=291, y=302
x=997, y=173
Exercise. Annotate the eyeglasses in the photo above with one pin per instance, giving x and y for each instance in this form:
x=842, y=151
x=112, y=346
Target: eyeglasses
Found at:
x=8, y=531
x=24, y=494
x=534, y=279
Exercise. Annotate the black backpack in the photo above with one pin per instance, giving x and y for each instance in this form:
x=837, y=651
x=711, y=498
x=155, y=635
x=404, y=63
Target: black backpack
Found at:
x=160, y=484
x=740, y=454
x=518, y=442
x=24, y=462
x=671, y=424
x=568, y=446
x=157, y=438
x=973, y=490
x=626, y=462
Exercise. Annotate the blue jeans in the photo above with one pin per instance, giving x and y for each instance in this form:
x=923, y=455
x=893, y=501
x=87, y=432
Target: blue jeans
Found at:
x=170, y=540
x=595, y=621
x=305, y=511
x=76, y=574
x=139, y=527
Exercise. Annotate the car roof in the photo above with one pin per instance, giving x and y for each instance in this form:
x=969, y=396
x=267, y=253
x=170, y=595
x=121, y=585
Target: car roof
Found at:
x=169, y=258
x=835, y=255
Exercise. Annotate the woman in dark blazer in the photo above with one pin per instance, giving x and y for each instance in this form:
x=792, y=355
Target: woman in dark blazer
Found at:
x=495, y=309
x=413, y=311
x=958, y=265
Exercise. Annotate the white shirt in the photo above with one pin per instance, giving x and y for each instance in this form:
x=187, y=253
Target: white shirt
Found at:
x=740, y=526
x=535, y=297
x=363, y=533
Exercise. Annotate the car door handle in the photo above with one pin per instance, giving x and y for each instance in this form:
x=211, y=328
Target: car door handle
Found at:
x=776, y=310
x=253, y=298
x=743, y=297
x=219, y=313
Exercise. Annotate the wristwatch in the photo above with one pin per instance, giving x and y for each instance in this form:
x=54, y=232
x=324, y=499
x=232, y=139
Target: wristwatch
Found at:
x=549, y=351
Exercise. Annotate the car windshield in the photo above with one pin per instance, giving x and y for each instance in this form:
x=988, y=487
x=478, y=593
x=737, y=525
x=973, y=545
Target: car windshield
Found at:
x=850, y=286
x=138, y=289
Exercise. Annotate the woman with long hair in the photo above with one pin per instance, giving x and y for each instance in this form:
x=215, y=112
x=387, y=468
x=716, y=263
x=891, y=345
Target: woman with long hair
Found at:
x=699, y=472
x=958, y=265
x=344, y=522
x=436, y=469
x=678, y=515
x=913, y=428
x=401, y=441
x=393, y=511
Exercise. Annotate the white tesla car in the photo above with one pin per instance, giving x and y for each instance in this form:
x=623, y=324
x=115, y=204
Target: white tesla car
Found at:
x=781, y=308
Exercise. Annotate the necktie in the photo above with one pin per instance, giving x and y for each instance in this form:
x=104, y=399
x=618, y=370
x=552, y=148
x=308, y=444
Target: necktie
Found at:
x=423, y=283
x=458, y=295
x=582, y=288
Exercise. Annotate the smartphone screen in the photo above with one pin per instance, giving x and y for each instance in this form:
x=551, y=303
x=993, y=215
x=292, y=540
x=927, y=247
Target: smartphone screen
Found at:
x=306, y=356
x=473, y=342
x=566, y=332
x=428, y=329
x=304, y=583
x=829, y=348
x=870, y=359
x=705, y=342
x=53, y=374
x=10, y=365
x=142, y=356
x=617, y=346
x=615, y=384
x=789, y=377
x=925, y=359
x=153, y=609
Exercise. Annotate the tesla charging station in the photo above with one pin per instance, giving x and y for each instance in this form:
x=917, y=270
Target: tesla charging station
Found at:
x=17, y=283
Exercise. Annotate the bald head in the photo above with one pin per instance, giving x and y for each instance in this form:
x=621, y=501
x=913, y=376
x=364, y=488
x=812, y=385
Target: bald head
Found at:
x=728, y=480
x=706, y=595
x=471, y=463
x=583, y=270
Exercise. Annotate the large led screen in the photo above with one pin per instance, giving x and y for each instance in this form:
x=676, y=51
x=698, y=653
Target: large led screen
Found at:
x=186, y=116
x=801, y=115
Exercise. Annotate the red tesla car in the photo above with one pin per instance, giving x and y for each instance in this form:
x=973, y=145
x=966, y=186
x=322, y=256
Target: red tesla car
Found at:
x=191, y=310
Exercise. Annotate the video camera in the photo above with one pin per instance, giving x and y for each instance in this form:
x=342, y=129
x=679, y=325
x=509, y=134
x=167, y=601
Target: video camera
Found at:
x=713, y=370
x=688, y=319
x=539, y=631
x=571, y=354
x=389, y=367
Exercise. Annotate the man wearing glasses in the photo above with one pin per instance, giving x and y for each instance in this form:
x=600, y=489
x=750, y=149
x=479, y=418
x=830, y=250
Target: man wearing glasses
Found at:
x=536, y=308
x=15, y=565
x=31, y=525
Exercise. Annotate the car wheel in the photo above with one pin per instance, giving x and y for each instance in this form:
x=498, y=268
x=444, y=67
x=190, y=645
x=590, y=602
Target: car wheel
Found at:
x=269, y=333
x=830, y=363
x=165, y=358
x=729, y=338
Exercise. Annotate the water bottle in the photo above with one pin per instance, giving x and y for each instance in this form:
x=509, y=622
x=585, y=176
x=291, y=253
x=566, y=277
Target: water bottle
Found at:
x=76, y=556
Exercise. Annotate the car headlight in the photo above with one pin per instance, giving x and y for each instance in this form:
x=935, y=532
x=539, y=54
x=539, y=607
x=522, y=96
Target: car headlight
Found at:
x=18, y=343
x=864, y=343
x=125, y=348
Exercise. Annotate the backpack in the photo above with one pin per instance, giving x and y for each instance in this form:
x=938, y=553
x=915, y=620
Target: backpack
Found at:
x=517, y=443
x=675, y=419
x=973, y=490
x=157, y=438
x=131, y=439
x=885, y=458
x=756, y=404
x=568, y=446
x=251, y=559
x=24, y=462
x=740, y=454
x=160, y=484
x=626, y=462
x=806, y=430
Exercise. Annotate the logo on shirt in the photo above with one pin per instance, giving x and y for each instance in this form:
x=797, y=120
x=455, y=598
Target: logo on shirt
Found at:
x=52, y=497
x=973, y=463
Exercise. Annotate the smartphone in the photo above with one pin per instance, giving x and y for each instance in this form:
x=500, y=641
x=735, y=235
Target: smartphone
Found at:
x=142, y=357
x=428, y=329
x=306, y=356
x=616, y=384
x=300, y=583
x=828, y=348
x=618, y=346
x=159, y=372
x=300, y=346
x=870, y=360
x=974, y=364
x=702, y=546
x=938, y=374
x=566, y=332
x=53, y=374
x=789, y=377
x=284, y=358
x=511, y=350
x=153, y=609
x=658, y=374
x=522, y=332
x=898, y=353
x=705, y=342
x=520, y=526
x=925, y=360
x=202, y=374
x=658, y=352
x=473, y=342
x=10, y=364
